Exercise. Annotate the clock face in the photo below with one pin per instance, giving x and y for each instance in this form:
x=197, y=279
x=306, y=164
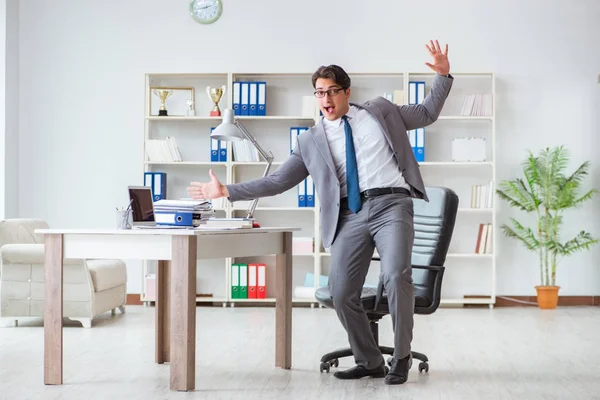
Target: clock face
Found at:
x=206, y=11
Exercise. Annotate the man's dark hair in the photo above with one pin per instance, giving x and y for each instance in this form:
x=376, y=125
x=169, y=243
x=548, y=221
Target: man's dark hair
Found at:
x=334, y=72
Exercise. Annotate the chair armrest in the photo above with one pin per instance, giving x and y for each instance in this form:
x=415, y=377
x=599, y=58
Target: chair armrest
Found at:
x=437, y=287
x=27, y=253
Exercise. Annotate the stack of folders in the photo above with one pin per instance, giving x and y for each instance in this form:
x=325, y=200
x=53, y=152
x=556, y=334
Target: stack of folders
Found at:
x=250, y=98
x=248, y=281
x=182, y=212
x=306, y=188
x=218, y=149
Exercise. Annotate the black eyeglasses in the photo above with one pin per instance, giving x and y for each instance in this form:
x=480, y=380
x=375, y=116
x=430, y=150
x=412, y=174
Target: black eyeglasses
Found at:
x=331, y=92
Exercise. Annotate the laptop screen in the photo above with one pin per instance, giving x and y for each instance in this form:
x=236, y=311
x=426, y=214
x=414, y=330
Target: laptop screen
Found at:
x=142, y=206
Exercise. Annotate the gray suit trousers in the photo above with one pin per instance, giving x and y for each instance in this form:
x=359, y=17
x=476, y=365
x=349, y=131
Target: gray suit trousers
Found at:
x=385, y=223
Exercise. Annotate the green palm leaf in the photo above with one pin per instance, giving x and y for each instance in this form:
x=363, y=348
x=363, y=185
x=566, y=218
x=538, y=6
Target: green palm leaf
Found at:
x=546, y=191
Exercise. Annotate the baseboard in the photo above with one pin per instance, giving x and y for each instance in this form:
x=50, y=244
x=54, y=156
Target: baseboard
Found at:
x=522, y=301
x=501, y=301
x=134, y=299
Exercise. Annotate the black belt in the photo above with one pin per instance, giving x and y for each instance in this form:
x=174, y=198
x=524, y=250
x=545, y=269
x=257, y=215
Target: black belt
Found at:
x=378, y=192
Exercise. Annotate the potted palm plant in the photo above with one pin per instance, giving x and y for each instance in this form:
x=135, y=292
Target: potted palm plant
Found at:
x=545, y=192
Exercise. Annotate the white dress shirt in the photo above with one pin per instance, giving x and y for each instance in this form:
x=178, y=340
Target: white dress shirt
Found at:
x=374, y=157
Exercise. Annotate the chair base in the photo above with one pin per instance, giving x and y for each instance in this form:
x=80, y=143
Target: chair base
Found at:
x=332, y=359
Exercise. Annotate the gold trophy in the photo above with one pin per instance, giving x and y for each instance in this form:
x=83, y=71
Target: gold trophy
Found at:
x=162, y=95
x=215, y=95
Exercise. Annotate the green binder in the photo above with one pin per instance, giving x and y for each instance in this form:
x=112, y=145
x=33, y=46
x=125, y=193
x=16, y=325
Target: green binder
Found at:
x=243, y=288
x=235, y=281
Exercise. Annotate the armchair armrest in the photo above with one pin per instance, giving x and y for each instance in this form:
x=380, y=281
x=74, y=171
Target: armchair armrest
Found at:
x=27, y=253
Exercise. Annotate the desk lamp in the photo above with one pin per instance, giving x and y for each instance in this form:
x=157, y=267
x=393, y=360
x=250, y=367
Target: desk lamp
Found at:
x=231, y=130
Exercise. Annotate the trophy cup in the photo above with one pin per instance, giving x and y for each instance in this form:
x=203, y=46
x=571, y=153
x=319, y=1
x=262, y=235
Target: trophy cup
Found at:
x=215, y=95
x=162, y=95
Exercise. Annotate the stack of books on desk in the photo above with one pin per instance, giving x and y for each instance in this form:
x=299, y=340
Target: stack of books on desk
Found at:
x=183, y=212
x=228, y=223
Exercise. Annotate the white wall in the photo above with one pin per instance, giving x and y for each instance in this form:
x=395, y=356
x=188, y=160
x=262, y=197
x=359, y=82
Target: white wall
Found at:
x=82, y=67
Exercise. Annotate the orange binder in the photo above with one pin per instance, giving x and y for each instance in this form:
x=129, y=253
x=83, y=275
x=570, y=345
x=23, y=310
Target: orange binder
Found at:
x=252, y=281
x=261, y=281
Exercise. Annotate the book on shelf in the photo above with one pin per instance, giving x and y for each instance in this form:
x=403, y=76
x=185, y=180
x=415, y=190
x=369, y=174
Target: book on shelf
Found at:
x=479, y=104
x=484, y=239
x=244, y=151
x=482, y=196
x=165, y=150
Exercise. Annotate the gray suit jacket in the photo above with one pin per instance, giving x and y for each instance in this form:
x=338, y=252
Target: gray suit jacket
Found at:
x=312, y=156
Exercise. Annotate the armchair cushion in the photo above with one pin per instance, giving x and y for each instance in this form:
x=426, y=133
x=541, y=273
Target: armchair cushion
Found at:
x=91, y=287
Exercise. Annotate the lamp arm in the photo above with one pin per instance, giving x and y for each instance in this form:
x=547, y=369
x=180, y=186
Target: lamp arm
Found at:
x=268, y=158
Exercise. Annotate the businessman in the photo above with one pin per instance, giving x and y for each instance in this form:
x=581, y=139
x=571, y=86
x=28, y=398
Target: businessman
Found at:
x=365, y=175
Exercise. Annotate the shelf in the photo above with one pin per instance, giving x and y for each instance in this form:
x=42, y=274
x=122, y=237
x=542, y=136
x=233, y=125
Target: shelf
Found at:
x=469, y=255
x=455, y=163
x=285, y=110
x=263, y=163
x=466, y=118
x=275, y=117
x=278, y=209
x=271, y=300
x=207, y=163
x=240, y=117
x=182, y=118
x=449, y=255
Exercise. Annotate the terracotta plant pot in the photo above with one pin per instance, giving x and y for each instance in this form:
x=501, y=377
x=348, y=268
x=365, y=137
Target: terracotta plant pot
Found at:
x=547, y=296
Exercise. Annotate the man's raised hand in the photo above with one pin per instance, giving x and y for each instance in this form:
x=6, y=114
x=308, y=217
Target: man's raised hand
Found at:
x=440, y=59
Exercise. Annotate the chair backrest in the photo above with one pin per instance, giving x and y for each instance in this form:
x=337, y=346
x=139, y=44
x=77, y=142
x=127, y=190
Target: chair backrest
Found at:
x=21, y=231
x=433, y=227
x=433, y=224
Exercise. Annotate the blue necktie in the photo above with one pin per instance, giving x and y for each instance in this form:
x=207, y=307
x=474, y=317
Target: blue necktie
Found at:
x=354, y=203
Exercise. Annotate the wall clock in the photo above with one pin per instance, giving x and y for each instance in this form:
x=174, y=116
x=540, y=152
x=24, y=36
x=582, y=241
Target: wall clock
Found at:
x=206, y=11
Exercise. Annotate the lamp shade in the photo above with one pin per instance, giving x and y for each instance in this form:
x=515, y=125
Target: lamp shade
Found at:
x=227, y=130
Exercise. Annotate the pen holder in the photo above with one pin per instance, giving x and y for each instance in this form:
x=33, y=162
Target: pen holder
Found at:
x=124, y=219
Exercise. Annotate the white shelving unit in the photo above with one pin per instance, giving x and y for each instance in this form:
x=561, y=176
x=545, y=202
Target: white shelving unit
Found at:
x=463, y=282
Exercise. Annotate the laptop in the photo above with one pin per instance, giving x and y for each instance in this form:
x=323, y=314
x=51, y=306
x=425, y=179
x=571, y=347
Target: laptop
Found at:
x=142, y=209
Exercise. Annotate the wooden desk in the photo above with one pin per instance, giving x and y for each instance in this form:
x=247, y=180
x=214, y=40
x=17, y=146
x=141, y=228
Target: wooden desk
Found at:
x=177, y=251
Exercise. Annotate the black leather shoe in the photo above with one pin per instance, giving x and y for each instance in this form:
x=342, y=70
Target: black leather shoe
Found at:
x=360, y=372
x=399, y=372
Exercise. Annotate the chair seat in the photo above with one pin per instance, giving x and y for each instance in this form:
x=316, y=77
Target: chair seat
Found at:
x=367, y=298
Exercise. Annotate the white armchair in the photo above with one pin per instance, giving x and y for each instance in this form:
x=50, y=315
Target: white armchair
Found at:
x=91, y=287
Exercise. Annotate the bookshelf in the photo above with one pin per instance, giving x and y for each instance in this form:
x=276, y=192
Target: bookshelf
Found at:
x=470, y=276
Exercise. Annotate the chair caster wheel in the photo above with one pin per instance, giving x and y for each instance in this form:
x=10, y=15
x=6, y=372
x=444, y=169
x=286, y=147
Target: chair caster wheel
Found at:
x=423, y=366
x=325, y=367
x=389, y=361
x=334, y=363
x=387, y=369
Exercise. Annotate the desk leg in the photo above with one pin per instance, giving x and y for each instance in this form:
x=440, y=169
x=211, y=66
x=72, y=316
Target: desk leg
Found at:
x=283, y=305
x=53, y=309
x=183, y=312
x=162, y=309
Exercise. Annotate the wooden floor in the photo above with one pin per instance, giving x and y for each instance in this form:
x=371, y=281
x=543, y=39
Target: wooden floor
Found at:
x=505, y=353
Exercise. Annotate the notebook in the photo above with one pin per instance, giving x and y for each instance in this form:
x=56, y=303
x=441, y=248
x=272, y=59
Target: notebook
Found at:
x=142, y=209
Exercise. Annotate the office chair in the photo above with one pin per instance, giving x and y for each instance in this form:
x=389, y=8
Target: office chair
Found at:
x=433, y=224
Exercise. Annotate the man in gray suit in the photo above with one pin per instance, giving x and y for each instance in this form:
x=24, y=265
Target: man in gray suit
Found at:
x=365, y=175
